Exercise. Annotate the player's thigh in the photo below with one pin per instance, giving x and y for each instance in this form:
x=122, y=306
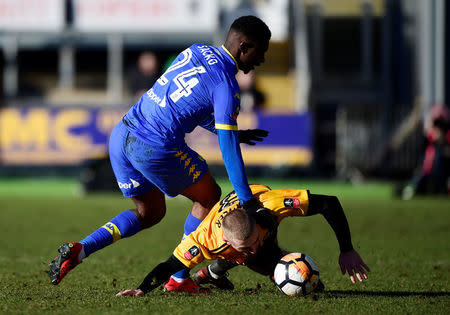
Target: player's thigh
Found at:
x=130, y=180
x=150, y=207
x=205, y=191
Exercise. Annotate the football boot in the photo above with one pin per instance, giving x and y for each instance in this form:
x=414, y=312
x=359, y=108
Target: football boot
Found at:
x=202, y=276
x=67, y=259
x=186, y=286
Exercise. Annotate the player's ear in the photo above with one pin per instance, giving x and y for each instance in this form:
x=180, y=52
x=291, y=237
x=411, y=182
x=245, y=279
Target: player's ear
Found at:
x=244, y=46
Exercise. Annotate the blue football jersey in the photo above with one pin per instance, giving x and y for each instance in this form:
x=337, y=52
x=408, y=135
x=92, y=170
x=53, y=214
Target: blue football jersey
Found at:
x=198, y=89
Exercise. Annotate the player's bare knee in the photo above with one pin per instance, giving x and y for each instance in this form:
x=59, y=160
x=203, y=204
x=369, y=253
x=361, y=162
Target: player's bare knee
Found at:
x=199, y=210
x=157, y=218
x=150, y=217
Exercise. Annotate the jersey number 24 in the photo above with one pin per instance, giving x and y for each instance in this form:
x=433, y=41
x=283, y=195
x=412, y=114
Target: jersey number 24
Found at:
x=184, y=86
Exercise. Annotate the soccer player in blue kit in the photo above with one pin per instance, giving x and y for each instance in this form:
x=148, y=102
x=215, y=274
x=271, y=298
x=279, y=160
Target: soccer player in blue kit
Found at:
x=150, y=157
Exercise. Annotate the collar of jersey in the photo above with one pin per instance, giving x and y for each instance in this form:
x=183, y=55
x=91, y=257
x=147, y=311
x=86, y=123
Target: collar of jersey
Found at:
x=229, y=54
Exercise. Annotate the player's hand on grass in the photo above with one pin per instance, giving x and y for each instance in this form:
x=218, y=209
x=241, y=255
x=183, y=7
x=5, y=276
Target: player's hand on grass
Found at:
x=130, y=292
x=251, y=135
x=353, y=264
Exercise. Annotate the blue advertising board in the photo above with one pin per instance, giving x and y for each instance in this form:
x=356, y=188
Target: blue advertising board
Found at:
x=69, y=135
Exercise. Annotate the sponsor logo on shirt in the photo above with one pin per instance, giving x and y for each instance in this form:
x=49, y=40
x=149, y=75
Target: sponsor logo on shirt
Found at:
x=152, y=95
x=191, y=252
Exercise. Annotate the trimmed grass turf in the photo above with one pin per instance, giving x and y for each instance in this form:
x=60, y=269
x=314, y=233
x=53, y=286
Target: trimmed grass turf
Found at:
x=406, y=244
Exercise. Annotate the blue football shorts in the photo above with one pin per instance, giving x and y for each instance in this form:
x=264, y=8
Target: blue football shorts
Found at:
x=140, y=165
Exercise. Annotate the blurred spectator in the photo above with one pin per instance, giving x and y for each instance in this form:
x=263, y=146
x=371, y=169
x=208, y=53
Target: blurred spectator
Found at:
x=251, y=98
x=142, y=77
x=434, y=175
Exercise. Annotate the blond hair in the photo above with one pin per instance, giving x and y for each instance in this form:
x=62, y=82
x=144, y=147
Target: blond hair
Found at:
x=238, y=225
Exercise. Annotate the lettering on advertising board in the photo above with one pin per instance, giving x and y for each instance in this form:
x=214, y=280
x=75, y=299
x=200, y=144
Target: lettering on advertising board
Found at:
x=66, y=136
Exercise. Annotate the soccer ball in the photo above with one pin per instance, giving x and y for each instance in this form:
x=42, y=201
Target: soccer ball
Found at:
x=296, y=274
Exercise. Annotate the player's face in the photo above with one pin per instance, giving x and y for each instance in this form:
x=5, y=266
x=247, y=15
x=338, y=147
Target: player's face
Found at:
x=248, y=246
x=252, y=54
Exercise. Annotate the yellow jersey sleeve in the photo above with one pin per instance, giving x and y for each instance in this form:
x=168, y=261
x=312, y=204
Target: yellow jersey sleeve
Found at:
x=190, y=252
x=285, y=202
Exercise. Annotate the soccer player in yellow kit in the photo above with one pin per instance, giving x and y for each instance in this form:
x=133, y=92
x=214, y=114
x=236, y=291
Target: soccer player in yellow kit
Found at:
x=232, y=236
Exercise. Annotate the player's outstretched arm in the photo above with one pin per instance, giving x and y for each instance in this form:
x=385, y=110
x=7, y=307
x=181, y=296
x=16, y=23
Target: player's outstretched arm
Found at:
x=351, y=263
x=331, y=209
x=349, y=260
x=156, y=277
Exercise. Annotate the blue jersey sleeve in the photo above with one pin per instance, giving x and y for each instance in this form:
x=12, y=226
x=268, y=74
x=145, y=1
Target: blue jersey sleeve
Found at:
x=226, y=107
x=232, y=158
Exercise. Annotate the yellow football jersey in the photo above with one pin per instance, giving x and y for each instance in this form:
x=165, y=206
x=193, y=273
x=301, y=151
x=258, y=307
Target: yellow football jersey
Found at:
x=206, y=242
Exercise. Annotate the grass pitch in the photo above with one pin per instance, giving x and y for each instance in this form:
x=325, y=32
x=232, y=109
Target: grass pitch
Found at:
x=405, y=243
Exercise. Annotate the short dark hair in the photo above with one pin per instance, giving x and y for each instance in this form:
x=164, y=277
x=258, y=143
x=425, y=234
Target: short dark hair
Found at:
x=253, y=27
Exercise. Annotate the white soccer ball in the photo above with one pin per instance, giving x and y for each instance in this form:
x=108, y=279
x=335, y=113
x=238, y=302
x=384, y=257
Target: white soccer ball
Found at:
x=296, y=274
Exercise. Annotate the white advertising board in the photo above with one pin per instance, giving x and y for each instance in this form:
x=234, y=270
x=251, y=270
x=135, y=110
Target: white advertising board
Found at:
x=162, y=16
x=31, y=15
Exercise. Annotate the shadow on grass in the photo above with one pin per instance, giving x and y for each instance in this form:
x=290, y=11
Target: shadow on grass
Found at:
x=342, y=293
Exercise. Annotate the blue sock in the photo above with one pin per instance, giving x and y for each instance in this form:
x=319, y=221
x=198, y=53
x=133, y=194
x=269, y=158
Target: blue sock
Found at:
x=190, y=225
x=125, y=224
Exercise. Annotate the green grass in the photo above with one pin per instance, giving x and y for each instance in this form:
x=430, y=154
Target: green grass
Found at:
x=405, y=243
